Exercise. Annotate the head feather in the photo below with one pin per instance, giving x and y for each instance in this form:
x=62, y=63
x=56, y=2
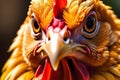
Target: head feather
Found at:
x=43, y=9
x=76, y=11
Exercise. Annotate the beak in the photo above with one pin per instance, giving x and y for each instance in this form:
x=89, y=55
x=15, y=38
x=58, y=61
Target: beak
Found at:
x=56, y=48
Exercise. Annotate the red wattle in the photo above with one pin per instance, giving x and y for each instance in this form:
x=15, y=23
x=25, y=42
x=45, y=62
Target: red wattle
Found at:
x=69, y=69
x=47, y=71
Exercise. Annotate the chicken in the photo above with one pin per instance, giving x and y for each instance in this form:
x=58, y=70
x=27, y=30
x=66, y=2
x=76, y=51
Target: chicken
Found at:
x=66, y=40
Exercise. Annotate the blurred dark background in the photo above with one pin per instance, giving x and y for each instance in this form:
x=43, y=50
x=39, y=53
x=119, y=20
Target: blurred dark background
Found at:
x=12, y=15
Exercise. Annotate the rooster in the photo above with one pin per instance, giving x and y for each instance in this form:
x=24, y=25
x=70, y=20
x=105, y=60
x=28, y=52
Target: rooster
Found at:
x=66, y=40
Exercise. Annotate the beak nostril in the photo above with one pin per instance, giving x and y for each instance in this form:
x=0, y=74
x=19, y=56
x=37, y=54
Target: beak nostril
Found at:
x=65, y=39
x=48, y=38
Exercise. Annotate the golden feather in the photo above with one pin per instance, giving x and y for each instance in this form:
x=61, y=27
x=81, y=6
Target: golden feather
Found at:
x=43, y=10
x=77, y=11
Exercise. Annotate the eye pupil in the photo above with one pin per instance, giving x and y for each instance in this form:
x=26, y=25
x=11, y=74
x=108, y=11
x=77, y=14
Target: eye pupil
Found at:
x=90, y=22
x=36, y=24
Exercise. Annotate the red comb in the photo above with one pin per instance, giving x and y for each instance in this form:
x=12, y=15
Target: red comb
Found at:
x=58, y=7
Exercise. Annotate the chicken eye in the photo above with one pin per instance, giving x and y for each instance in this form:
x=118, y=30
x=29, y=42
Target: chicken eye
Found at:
x=91, y=26
x=36, y=29
x=35, y=25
